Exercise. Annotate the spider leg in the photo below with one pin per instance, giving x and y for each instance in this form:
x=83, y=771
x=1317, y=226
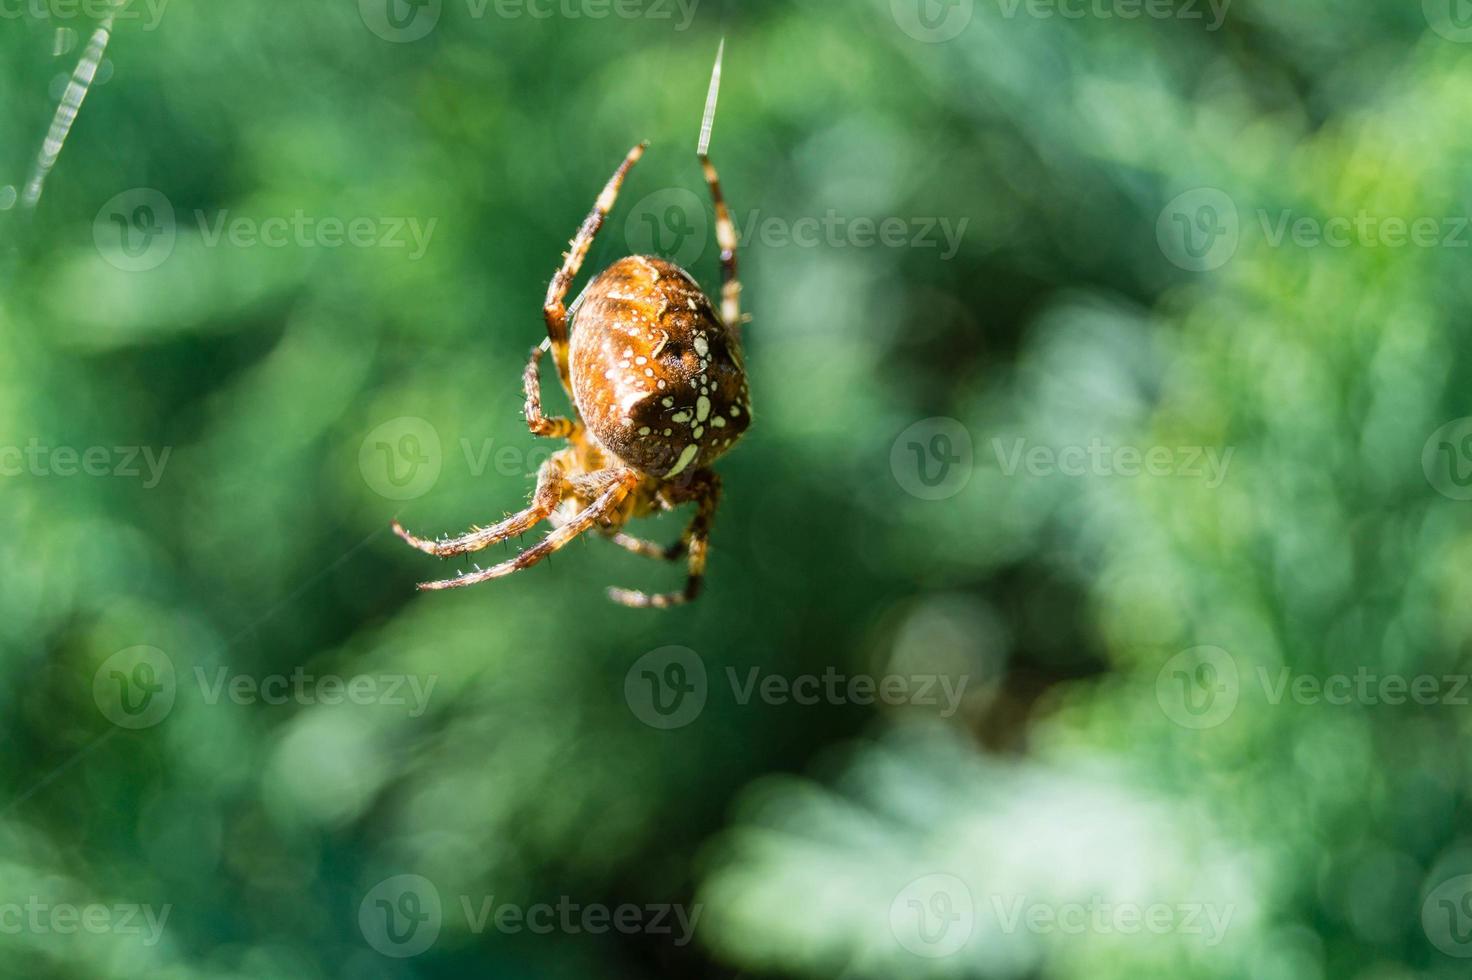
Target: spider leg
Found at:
x=585, y=519
x=550, y=487
x=555, y=427
x=552, y=308
x=726, y=237
x=697, y=539
x=725, y=227
x=650, y=549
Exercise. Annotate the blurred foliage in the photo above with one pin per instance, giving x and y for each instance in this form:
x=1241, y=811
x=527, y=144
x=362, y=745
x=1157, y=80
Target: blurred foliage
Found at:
x=263, y=547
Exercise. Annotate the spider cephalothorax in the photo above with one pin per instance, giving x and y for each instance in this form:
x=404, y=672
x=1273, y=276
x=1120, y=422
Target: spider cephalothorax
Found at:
x=657, y=378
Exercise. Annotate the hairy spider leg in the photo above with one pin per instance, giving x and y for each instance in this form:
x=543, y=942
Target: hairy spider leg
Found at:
x=552, y=309
x=707, y=493
x=649, y=549
x=555, y=427
x=545, y=498
x=624, y=482
x=726, y=238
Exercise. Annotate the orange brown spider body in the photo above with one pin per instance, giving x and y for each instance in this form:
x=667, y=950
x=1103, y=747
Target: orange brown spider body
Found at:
x=657, y=378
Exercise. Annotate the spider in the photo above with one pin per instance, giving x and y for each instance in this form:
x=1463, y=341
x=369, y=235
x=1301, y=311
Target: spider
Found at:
x=659, y=392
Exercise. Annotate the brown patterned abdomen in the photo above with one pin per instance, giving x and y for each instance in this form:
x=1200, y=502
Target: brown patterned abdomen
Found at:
x=657, y=378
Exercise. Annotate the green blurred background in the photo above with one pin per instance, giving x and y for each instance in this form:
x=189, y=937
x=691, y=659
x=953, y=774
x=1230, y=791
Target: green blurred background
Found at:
x=1173, y=237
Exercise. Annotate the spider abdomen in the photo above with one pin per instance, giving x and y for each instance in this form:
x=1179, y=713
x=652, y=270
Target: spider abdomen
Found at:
x=656, y=375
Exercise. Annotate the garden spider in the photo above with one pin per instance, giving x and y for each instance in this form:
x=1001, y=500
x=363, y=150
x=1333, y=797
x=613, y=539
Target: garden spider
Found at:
x=659, y=383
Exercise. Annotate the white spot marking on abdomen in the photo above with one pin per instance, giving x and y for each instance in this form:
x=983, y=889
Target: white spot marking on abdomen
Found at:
x=686, y=455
